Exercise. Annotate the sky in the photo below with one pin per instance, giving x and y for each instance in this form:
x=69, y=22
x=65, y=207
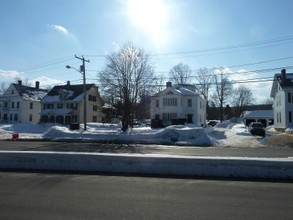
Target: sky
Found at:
x=251, y=39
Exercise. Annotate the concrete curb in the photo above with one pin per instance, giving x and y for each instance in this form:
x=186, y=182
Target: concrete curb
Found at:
x=260, y=168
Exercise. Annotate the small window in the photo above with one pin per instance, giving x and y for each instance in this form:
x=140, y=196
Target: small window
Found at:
x=189, y=103
x=289, y=97
x=95, y=108
x=92, y=98
x=157, y=103
x=94, y=118
x=17, y=106
x=15, y=117
x=290, y=116
x=30, y=117
x=31, y=105
x=12, y=105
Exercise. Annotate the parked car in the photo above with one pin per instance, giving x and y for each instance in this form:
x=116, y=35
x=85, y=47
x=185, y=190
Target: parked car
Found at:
x=212, y=123
x=256, y=128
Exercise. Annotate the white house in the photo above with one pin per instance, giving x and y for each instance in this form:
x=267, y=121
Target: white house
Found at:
x=178, y=102
x=21, y=103
x=65, y=104
x=282, y=92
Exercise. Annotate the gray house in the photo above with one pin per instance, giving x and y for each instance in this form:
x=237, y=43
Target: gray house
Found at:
x=65, y=104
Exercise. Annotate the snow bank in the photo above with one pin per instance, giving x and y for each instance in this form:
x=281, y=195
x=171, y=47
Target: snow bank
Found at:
x=150, y=164
x=179, y=134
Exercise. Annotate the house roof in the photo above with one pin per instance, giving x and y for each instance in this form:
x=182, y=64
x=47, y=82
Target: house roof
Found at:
x=259, y=114
x=180, y=90
x=30, y=93
x=74, y=92
x=288, y=82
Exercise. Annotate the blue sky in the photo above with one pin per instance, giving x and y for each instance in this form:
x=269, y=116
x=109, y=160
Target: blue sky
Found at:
x=39, y=38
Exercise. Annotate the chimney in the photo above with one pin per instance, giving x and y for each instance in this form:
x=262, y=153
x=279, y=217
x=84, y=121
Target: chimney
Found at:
x=37, y=85
x=68, y=83
x=19, y=82
x=169, y=84
x=283, y=74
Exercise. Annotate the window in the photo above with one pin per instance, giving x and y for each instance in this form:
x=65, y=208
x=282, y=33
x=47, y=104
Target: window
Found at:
x=59, y=105
x=72, y=105
x=50, y=106
x=189, y=102
x=170, y=102
x=169, y=116
x=10, y=118
x=17, y=105
x=289, y=97
x=74, y=118
x=31, y=105
x=94, y=118
x=12, y=104
x=30, y=117
x=92, y=98
x=290, y=116
x=157, y=103
x=15, y=117
x=189, y=118
x=95, y=108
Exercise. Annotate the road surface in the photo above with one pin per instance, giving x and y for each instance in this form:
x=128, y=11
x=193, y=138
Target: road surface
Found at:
x=67, y=196
x=272, y=152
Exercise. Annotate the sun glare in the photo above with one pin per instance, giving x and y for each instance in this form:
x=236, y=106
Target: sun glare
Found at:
x=149, y=15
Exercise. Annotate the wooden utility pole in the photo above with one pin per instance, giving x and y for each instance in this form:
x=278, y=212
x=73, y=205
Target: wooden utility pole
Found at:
x=82, y=71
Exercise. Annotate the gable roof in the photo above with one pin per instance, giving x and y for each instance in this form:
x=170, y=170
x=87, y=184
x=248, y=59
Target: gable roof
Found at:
x=29, y=93
x=179, y=89
x=74, y=92
x=278, y=80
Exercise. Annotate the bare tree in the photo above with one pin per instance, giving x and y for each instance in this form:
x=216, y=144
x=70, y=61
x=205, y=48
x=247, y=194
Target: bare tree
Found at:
x=223, y=89
x=127, y=73
x=242, y=96
x=3, y=88
x=268, y=101
x=204, y=79
x=180, y=74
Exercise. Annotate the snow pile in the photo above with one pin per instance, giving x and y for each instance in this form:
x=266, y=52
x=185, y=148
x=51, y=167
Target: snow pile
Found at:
x=179, y=134
x=185, y=135
x=227, y=134
x=58, y=131
x=289, y=130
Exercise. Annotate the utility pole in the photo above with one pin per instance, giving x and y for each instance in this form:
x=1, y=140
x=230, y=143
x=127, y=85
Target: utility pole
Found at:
x=82, y=71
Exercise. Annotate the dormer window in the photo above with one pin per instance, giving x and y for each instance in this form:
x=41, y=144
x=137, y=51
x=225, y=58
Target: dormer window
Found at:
x=63, y=94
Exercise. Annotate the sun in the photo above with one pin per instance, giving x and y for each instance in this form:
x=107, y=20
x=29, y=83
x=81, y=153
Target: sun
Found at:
x=148, y=15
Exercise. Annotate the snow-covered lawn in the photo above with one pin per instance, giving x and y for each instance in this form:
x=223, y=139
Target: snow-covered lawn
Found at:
x=223, y=134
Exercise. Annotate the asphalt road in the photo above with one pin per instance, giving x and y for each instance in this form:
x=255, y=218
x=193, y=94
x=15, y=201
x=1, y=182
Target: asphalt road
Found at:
x=270, y=151
x=66, y=196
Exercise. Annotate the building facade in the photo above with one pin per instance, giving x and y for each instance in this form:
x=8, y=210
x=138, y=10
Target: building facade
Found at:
x=178, y=102
x=282, y=92
x=65, y=104
x=21, y=103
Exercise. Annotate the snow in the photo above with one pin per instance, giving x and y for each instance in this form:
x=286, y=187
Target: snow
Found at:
x=185, y=92
x=33, y=95
x=223, y=134
x=259, y=114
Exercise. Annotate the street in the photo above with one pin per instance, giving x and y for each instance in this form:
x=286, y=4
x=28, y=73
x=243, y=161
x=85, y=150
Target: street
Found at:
x=71, y=146
x=68, y=196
